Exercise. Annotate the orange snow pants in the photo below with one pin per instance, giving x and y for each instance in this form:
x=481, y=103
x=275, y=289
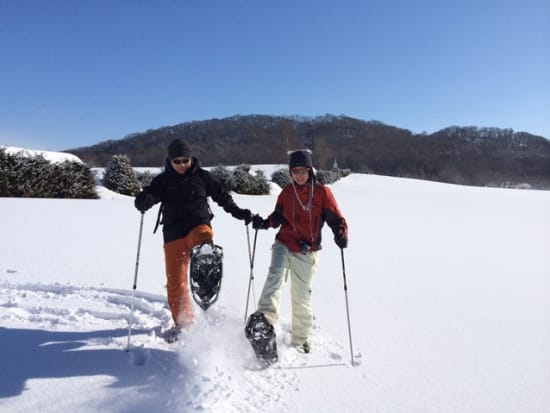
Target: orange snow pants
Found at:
x=177, y=255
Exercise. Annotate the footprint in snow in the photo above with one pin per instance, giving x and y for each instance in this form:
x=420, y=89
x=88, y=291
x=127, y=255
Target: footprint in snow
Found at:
x=139, y=356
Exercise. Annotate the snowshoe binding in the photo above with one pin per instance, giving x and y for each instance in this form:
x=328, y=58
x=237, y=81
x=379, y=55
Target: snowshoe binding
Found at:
x=261, y=335
x=206, y=274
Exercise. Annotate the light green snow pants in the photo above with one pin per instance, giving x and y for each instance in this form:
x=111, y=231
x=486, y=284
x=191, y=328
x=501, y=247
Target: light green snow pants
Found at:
x=302, y=270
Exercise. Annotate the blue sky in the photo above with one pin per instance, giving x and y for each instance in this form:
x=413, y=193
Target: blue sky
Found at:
x=74, y=73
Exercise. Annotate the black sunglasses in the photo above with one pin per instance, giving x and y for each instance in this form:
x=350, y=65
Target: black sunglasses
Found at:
x=178, y=161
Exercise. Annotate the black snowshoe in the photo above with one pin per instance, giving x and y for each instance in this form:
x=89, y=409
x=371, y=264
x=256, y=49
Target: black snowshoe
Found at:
x=206, y=274
x=261, y=335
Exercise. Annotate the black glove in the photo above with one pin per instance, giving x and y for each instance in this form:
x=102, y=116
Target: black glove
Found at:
x=244, y=214
x=340, y=238
x=247, y=216
x=144, y=201
x=259, y=223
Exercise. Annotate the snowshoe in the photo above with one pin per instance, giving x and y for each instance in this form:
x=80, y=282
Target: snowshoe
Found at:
x=206, y=274
x=261, y=335
x=305, y=347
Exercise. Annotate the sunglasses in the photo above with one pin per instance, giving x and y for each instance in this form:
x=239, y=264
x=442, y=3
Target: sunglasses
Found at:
x=180, y=161
x=300, y=171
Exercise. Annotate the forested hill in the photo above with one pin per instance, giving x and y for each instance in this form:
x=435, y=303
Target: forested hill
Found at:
x=463, y=155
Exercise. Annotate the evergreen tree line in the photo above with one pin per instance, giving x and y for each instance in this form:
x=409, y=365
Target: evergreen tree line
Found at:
x=241, y=181
x=120, y=177
x=36, y=177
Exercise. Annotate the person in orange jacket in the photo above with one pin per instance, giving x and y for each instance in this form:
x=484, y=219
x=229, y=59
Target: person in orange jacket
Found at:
x=301, y=210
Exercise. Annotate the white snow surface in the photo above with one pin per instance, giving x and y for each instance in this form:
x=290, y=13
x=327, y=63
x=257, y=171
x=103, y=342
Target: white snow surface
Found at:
x=448, y=292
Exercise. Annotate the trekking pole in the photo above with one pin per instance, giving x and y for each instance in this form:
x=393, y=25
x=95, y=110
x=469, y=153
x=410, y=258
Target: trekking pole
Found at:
x=347, y=304
x=135, y=283
x=251, y=255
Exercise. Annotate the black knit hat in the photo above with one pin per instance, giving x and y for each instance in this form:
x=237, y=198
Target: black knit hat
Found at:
x=178, y=148
x=301, y=157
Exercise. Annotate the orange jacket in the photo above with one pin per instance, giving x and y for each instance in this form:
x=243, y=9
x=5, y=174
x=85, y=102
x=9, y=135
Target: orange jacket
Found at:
x=301, y=211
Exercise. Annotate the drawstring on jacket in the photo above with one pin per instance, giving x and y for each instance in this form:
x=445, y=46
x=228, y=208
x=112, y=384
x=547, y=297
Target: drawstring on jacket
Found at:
x=307, y=207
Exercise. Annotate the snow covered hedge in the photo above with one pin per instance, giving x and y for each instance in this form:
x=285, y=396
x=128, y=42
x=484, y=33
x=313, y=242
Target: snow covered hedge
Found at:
x=241, y=181
x=36, y=177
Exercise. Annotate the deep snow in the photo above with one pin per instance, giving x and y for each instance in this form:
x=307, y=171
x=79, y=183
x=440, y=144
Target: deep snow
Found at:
x=449, y=294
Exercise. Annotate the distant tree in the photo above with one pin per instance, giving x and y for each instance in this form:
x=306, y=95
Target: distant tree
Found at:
x=223, y=174
x=344, y=172
x=281, y=177
x=120, y=177
x=241, y=181
x=261, y=186
x=144, y=178
x=327, y=177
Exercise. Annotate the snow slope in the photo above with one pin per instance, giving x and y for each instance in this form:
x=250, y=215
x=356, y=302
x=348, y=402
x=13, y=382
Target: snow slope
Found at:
x=449, y=297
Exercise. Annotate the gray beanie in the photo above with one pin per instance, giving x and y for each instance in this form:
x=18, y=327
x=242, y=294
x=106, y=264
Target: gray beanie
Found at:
x=178, y=148
x=301, y=157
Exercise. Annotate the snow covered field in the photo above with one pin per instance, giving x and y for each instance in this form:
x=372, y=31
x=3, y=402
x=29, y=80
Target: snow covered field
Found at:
x=448, y=286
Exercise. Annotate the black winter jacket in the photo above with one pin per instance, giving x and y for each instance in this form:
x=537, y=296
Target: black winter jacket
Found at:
x=185, y=199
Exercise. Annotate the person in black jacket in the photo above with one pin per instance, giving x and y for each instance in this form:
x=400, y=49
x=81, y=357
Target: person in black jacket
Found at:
x=184, y=188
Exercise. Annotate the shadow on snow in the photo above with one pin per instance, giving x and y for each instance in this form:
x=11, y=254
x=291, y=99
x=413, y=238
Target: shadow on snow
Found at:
x=30, y=354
